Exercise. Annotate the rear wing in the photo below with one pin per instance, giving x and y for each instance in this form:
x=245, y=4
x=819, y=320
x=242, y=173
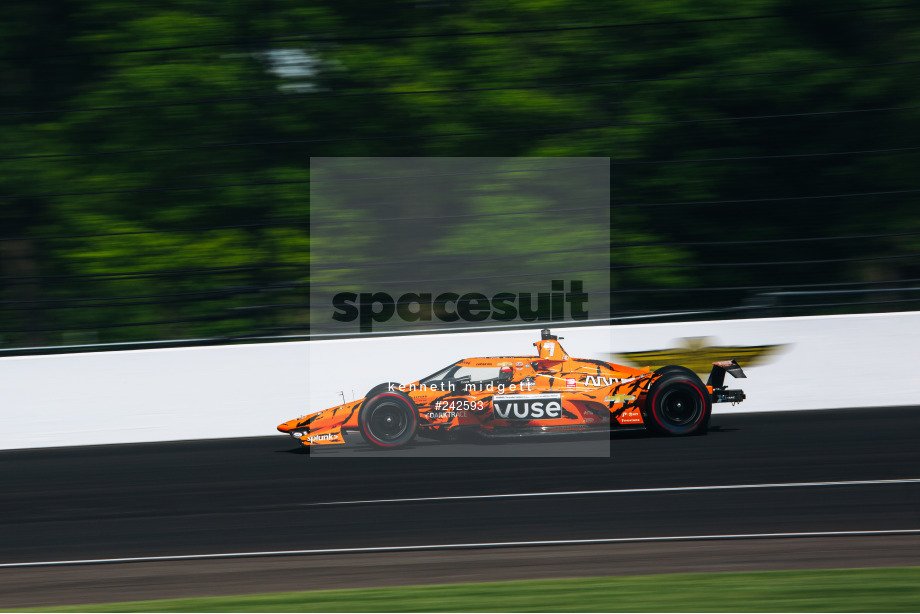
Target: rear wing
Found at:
x=719, y=369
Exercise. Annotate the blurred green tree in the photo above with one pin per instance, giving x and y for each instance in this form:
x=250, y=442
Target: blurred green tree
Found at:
x=163, y=119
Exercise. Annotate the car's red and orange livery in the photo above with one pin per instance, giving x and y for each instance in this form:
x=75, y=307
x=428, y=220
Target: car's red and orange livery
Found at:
x=511, y=396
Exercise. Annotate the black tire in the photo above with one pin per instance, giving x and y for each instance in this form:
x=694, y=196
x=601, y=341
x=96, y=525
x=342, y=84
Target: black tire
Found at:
x=678, y=369
x=388, y=419
x=370, y=395
x=678, y=403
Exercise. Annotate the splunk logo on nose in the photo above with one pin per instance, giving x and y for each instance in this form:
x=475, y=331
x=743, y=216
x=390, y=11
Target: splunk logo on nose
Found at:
x=370, y=307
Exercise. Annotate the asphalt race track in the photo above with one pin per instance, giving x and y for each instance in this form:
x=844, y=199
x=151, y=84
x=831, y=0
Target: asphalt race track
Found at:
x=847, y=479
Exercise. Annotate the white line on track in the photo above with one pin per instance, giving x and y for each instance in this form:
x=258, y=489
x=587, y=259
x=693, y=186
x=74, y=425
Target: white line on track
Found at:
x=620, y=491
x=555, y=542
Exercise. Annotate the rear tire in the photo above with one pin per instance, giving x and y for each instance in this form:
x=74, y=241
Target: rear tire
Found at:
x=388, y=420
x=678, y=369
x=678, y=403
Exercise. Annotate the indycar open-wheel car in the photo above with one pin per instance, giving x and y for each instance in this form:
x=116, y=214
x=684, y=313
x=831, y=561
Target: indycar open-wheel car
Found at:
x=513, y=396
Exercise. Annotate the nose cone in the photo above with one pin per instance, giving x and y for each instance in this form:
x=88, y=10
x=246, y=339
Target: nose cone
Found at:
x=286, y=427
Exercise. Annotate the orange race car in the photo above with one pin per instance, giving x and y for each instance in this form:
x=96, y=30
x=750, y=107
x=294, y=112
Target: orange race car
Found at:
x=511, y=396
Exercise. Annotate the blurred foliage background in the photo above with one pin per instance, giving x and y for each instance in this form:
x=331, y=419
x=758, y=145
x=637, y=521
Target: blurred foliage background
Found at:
x=480, y=225
x=154, y=159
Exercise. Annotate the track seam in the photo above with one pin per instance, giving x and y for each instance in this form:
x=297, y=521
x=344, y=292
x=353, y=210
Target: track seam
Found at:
x=620, y=491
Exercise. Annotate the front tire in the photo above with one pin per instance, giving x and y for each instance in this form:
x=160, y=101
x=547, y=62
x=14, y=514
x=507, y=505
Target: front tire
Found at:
x=386, y=386
x=388, y=420
x=678, y=404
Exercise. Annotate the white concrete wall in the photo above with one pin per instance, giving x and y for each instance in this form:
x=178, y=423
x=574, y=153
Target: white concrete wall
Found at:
x=149, y=395
x=246, y=390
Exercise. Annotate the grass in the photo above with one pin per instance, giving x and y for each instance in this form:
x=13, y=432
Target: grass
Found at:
x=845, y=590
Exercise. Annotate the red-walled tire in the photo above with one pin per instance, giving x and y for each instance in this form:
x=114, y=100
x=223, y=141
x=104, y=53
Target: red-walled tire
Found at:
x=677, y=369
x=370, y=395
x=678, y=404
x=388, y=420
